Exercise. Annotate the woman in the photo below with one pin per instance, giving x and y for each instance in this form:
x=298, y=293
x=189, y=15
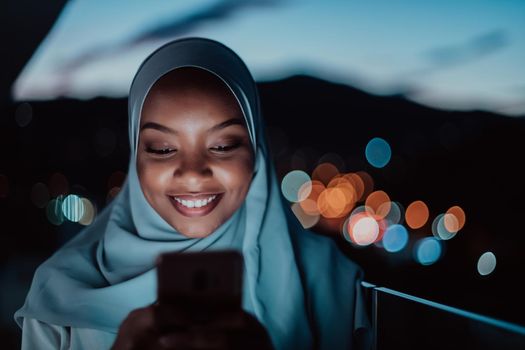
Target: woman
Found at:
x=200, y=178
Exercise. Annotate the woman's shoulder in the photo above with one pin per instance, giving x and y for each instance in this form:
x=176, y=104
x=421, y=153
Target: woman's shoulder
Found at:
x=316, y=251
x=37, y=334
x=331, y=281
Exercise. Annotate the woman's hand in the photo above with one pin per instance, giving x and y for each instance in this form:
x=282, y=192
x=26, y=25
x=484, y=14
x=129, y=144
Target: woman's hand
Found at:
x=236, y=330
x=138, y=330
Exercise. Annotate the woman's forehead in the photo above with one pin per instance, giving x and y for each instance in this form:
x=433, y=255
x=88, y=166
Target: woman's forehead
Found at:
x=190, y=83
x=186, y=79
x=177, y=97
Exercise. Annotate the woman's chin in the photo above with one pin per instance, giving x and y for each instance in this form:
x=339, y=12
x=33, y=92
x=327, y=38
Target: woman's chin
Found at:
x=194, y=232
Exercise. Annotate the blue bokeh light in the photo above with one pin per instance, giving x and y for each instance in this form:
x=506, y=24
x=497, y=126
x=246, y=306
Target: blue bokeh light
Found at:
x=293, y=182
x=427, y=250
x=73, y=208
x=54, y=211
x=395, y=238
x=378, y=152
x=486, y=263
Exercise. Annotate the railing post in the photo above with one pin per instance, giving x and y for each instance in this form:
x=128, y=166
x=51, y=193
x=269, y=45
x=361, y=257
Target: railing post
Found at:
x=370, y=296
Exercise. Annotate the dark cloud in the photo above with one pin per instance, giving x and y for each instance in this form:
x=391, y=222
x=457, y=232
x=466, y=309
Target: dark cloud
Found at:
x=221, y=10
x=475, y=48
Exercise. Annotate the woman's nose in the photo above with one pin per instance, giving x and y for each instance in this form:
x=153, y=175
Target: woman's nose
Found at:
x=193, y=167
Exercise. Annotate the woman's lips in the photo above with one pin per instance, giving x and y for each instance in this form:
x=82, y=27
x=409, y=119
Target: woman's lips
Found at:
x=193, y=212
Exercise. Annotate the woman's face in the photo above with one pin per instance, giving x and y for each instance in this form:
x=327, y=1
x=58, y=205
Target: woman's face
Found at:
x=194, y=159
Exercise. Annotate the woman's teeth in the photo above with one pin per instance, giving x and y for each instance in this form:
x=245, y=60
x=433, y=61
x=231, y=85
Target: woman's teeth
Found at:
x=195, y=204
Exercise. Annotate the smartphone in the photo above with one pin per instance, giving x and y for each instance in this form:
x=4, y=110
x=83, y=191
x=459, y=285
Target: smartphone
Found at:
x=199, y=285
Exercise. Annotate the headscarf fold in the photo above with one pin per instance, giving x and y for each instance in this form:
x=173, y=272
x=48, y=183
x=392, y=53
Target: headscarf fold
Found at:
x=108, y=269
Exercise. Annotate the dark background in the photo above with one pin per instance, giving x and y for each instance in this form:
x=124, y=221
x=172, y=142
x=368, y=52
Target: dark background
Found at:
x=472, y=159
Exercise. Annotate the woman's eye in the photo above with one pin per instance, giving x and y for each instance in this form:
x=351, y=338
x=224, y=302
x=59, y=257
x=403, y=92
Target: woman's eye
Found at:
x=161, y=151
x=225, y=148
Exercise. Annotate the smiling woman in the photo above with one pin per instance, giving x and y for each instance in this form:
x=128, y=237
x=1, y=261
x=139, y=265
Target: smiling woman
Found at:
x=200, y=178
x=195, y=159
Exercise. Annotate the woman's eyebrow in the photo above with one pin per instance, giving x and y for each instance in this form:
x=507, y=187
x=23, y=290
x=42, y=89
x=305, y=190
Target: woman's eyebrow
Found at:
x=159, y=127
x=226, y=123
x=165, y=129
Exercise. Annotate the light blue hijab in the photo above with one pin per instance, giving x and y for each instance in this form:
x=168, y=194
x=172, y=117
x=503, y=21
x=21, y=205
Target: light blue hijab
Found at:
x=290, y=284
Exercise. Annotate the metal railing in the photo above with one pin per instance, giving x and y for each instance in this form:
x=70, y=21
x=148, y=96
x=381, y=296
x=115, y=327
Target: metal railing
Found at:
x=402, y=321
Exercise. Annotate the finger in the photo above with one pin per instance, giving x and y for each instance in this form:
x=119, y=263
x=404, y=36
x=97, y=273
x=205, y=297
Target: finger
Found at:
x=141, y=319
x=136, y=329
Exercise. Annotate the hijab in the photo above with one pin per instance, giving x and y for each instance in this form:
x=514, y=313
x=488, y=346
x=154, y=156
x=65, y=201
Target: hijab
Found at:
x=108, y=268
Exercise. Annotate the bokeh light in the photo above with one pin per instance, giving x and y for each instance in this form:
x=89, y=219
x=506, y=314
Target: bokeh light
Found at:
x=486, y=263
x=39, y=195
x=416, y=215
x=73, y=208
x=331, y=202
x=451, y=223
x=383, y=225
x=89, y=212
x=368, y=183
x=459, y=216
x=4, y=186
x=378, y=152
x=395, y=238
x=357, y=183
x=395, y=214
x=324, y=172
x=294, y=181
x=361, y=209
x=58, y=185
x=362, y=228
x=427, y=251
x=379, y=203
x=54, y=211
x=309, y=205
x=365, y=231
x=439, y=229
x=23, y=114
x=342, y=183
x=305, y=219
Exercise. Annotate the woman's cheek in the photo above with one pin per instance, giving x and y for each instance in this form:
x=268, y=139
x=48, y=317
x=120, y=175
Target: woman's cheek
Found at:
x=229, y=174
x=154, y=176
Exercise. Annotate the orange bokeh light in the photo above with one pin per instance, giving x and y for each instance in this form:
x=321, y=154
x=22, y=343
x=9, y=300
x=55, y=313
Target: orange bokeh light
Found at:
x=455, y=225
x=451, y=223
x=342, y=183
x=324, y=172
x=331, y=202
x=416, y=215
x=357, y=183
x=379, y=203
x=309, y=204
